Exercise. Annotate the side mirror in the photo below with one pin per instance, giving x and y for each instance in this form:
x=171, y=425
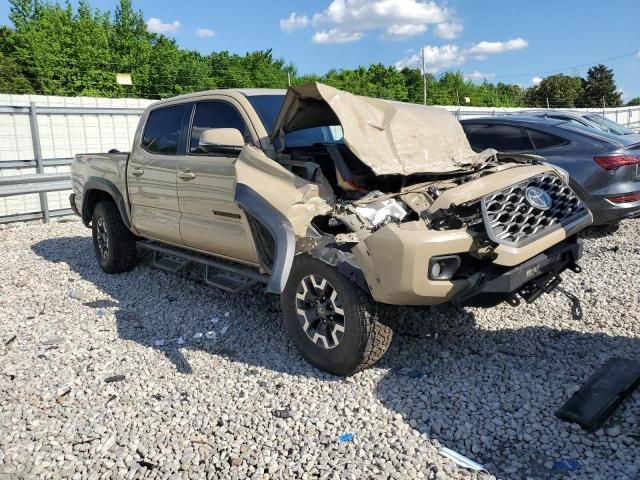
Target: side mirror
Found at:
x=216, y=139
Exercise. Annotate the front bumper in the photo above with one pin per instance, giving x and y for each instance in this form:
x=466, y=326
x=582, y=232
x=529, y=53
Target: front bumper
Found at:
x=494, y=284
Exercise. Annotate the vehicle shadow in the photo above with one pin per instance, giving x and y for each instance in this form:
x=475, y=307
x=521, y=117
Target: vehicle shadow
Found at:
x=491, y=395
x=165, y=312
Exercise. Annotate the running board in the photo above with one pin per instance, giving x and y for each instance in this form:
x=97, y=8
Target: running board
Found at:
x=169, y=263
x=218, y=273
x=227, y=281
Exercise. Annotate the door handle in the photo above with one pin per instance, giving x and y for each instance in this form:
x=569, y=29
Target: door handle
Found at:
x=137, y=171
x=186, y=175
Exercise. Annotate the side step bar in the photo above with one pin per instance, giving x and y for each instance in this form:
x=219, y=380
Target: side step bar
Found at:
x=218, y=273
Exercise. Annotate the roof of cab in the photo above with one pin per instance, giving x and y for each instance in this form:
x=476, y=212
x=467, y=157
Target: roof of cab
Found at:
x=233, y=92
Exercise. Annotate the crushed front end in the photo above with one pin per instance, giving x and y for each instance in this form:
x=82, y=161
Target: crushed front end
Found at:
x=467, y=241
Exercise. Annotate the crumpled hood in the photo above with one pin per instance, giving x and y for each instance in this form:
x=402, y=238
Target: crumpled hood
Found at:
x=390, y=137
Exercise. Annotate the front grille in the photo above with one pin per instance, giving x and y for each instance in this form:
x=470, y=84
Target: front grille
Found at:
x=512, y=220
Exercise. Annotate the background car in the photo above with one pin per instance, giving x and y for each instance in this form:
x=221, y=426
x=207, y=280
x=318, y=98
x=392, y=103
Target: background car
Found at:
x=587, y=119
x=604, y=168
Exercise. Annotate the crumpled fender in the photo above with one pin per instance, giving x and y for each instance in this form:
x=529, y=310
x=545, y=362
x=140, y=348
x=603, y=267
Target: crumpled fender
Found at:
x=282, y=202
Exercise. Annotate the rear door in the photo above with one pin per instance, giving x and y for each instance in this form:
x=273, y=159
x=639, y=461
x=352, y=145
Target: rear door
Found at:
x=151, y=174
x=210, y=219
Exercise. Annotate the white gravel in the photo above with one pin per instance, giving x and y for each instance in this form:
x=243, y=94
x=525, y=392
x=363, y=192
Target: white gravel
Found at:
x=207, y=376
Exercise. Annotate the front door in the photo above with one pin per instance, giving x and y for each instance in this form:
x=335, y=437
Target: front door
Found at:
x=210, y=220
x=151, y=175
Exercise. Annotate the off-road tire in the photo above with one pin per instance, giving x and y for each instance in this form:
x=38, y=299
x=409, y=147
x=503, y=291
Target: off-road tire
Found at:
x=365, y=338
x=120, y=256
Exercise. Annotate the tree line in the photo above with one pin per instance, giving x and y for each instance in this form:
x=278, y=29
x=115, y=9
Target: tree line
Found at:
x=54, y=49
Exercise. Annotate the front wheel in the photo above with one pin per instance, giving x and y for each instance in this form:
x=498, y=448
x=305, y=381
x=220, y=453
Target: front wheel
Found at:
x=332, y=322
x=113, y=243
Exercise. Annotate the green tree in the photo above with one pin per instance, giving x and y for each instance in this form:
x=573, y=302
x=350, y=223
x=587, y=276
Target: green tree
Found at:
x=634, y=102
x=599, y=88
x=414, y=84
x=12, y=78
x=561, y=91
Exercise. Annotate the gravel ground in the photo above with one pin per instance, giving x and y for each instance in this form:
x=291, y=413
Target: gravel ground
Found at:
x=149, y=374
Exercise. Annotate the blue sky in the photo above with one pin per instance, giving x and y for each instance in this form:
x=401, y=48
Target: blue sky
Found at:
x=502, y=40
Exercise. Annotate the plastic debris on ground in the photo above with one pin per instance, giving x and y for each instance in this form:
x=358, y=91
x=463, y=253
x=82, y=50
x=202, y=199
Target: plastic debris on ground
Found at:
x=223, y=330
x=461, y=460
x=211, y=335
x=159, y=343
x=214, y=320
x=567, y=465
x=197, y=335
x=282, y=413
x=347, y=437
x=115, y=378
x=601, y=395
x=409, y=372
x=180, y=341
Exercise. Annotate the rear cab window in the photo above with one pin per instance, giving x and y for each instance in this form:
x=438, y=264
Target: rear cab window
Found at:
x=504, y=138
x=163, y=128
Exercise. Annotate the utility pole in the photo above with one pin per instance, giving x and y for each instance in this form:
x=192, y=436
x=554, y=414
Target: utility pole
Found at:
x=547, y=102
x=424, y=77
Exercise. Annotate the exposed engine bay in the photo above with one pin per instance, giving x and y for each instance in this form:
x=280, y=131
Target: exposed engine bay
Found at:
x=365, y=202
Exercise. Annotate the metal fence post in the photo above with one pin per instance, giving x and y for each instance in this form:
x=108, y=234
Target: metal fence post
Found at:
x=37, y=153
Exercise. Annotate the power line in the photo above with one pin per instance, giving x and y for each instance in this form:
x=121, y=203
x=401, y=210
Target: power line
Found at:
x=589, y=64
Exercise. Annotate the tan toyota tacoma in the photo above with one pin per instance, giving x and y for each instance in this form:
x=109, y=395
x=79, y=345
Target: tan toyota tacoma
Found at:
x=337, y=203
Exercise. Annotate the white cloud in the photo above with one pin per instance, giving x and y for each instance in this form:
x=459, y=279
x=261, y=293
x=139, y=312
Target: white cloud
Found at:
x=536, y=80
x=294, y=22
x=476, y=75
x=205, y=33
x=368, y=14
x=446, y=56
x=155, y=25
x=482, y=49
x=436, y=58
x=395, y=19
x=336, y=36
x=448, y=30
x=400, y=32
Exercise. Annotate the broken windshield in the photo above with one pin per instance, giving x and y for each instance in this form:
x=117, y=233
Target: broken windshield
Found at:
x=268, y=107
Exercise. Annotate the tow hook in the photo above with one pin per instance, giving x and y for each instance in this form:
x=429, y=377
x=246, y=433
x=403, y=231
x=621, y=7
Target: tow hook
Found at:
x=576, y=307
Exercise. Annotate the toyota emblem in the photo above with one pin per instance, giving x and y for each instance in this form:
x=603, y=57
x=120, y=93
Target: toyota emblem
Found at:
x=538, y=198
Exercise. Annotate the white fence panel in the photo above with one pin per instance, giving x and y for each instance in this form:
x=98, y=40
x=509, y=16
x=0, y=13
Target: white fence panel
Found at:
x=61, y=137
x=64, y=135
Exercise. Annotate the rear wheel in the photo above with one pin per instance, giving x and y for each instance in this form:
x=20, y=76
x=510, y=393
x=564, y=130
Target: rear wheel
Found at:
x=113, y=243
x=332, y=322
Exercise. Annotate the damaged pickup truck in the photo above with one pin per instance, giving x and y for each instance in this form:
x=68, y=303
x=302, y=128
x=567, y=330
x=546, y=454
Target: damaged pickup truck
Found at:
x=337, y=203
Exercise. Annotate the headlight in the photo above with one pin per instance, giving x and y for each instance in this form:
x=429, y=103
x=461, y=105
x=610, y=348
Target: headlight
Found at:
x=383, y=212
x=443, y=267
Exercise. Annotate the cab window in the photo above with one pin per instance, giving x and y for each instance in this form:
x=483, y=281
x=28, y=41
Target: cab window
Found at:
x=215, y=115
